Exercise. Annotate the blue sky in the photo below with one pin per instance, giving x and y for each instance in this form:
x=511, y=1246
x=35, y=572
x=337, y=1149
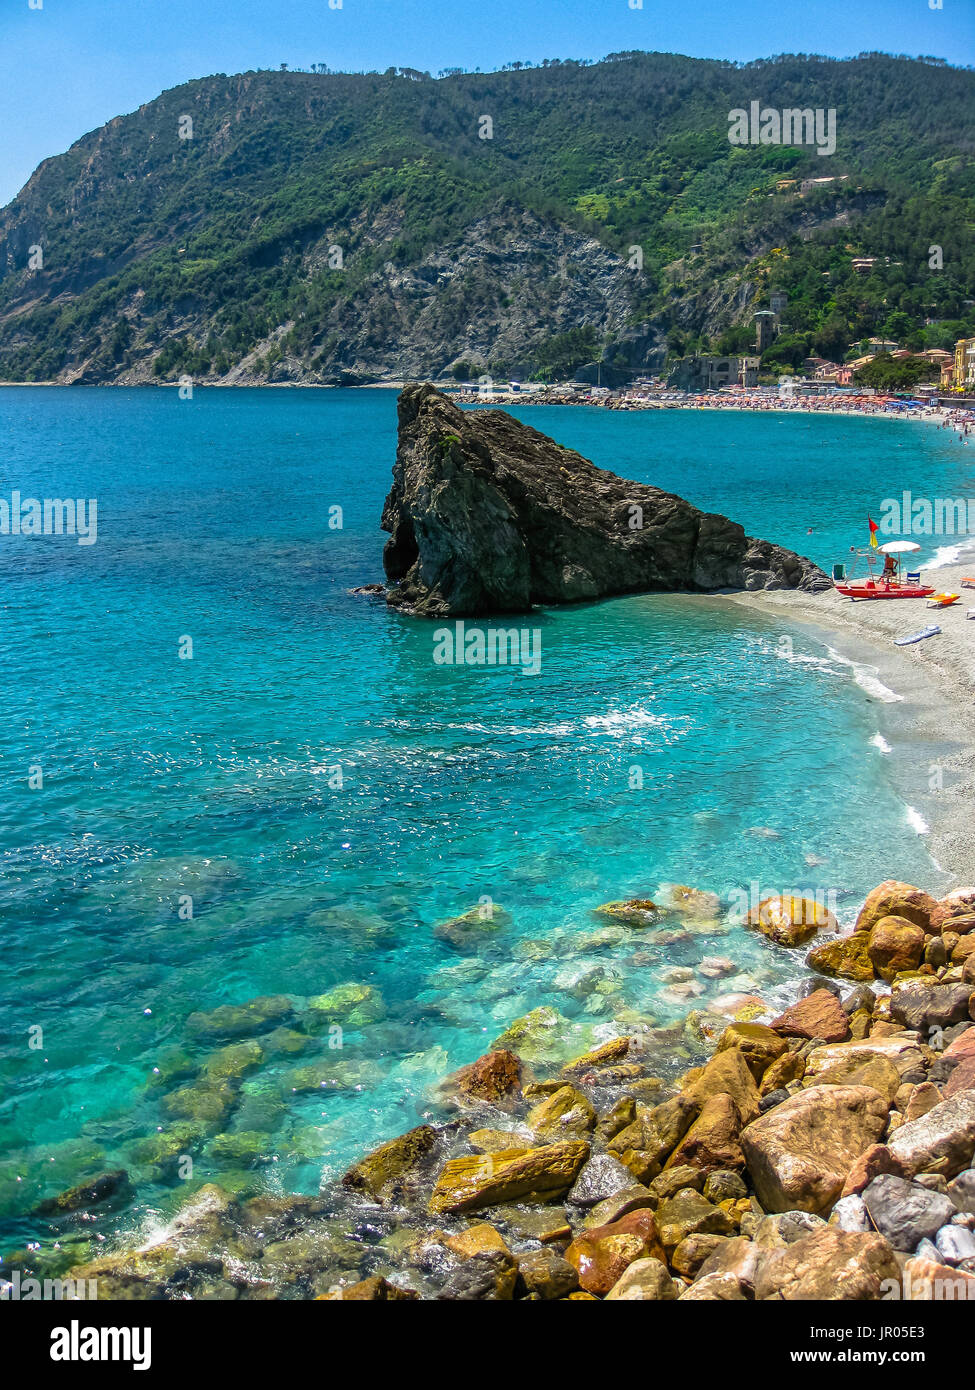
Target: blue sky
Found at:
x=71, y=65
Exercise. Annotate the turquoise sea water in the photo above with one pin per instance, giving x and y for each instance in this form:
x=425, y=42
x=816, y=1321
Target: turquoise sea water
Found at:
x=214, y=778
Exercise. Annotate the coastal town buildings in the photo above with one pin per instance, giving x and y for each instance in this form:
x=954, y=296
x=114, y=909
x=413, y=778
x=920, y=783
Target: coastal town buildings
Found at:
x=958, y=373
x=707, y=373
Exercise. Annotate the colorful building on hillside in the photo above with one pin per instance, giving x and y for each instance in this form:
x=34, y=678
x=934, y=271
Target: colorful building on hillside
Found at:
x=959, y=374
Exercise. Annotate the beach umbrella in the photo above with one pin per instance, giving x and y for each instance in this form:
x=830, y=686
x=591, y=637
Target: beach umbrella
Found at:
x=899, y=547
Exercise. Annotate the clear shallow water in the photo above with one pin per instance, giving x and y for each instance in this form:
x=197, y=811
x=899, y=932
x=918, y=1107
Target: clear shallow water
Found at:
x=211, y=777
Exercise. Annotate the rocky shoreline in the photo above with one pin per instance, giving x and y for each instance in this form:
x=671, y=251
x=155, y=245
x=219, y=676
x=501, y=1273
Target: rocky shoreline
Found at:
x=822, y=1154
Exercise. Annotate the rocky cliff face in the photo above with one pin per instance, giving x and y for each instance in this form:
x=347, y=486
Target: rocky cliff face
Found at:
x=488, y=515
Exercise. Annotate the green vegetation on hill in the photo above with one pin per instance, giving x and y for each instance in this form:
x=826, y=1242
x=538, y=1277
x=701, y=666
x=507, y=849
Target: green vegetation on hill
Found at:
x=215, y=255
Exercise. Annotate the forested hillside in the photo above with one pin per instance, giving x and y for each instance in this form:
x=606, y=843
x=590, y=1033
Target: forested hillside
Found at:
x=334, y=227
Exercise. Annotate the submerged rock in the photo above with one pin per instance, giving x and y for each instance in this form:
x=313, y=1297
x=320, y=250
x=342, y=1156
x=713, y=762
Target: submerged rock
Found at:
x=542, y=1036
x=206, y=1103
x=698, y=904
x=234, y=1061
x=473, y=928
x=243, y=1148
x=487, y=515
x=632, y=912
x=242, y=1020
x=163, y=1151
x=352, y=1005
x=90, y=1193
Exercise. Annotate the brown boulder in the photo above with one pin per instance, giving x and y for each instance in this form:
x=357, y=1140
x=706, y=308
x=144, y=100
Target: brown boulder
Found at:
x=758, y=1044
x=942, y=1141
x=488, y=1180
x=714, y=1287
x=727, y=1073
x=900, y=1048
x=789, y=920
x=847, y=958
x=922, y=1004
x=869, y=1165
x=896, y=944
x=895, y=899
x=645, y=1145
x=693, y=1251
x=961, y=1079
x=476, y=1240
x=601, y=1256
x=879, y=1073
x=687, y=1213
x=565, y=1112
x=799, y=1153
x=962, y=949
x=927, y=1281
x=545, y=1273
x=644, y=1281
x=790, y=1067
x=959, y=904
x=374, y=1290
x=819, y=1015
x=712, y=1144
x=923, y=1097
x=492, y=1078
x=828, y=1266
x=613, y=1051
x=963, y=1046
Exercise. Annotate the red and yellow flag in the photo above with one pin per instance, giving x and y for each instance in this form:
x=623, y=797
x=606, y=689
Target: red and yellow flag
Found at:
x=874, y=528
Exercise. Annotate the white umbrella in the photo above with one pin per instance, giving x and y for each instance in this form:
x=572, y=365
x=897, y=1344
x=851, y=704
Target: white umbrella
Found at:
x=899, y=547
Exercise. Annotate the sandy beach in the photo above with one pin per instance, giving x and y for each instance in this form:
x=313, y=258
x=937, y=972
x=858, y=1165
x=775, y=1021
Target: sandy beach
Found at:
x=924, y=694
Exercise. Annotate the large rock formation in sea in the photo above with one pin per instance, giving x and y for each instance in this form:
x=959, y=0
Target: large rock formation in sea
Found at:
x=487, y=515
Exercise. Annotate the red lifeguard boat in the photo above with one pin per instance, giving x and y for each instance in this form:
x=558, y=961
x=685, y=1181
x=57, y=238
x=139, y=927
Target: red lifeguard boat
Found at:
x=890, y=583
